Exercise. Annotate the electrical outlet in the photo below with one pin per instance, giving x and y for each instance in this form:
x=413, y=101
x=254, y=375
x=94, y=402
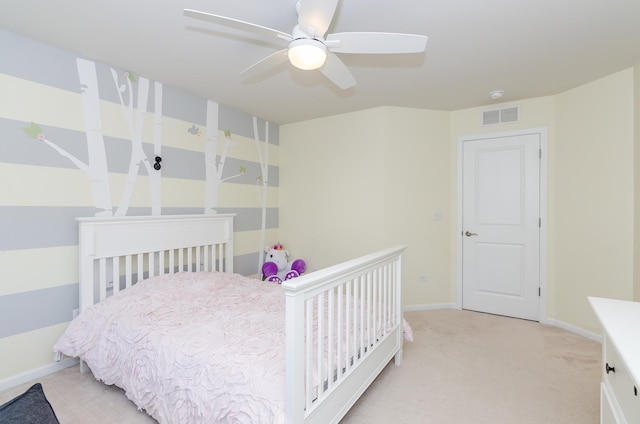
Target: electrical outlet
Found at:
x=422, y=278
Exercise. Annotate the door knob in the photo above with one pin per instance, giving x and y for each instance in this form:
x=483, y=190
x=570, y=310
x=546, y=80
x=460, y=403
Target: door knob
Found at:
x=468, y=234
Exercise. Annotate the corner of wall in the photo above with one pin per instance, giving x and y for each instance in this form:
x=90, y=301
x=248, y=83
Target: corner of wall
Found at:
x=636, y=179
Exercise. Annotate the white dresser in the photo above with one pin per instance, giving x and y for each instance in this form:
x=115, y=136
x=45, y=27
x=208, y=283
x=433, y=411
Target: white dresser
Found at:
x=620, y=387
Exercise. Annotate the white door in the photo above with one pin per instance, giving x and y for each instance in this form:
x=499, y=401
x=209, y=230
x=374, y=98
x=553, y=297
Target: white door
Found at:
x=501, y=225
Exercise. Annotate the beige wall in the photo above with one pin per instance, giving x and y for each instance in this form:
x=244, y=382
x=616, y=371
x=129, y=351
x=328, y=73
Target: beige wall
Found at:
x=353, y=183
x=594, y=196
x=333, y=206
x=416, y=186
x=636, y=232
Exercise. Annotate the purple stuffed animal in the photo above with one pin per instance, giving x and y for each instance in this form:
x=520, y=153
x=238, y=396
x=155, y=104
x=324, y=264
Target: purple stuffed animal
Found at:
x=276, y=266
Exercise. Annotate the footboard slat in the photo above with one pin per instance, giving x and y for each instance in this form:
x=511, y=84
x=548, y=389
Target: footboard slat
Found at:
x=309, y=352
x=318, y=381
x=370, y=313
x=334, y=334
x=347, y=325
x=359, y=306
x=343, y=327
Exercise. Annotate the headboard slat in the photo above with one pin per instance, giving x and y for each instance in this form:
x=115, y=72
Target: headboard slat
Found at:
x=128, y=271
x=140, y=267
x=103, y=278
x=115, y=269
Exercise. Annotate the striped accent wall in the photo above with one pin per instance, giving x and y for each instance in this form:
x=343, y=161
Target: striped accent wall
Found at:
x=55, y=166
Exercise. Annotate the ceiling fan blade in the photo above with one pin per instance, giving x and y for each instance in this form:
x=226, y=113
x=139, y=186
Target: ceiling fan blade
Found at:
x=337, y=72
x=376, y=43
x=235, y=23
x=265, y=64
x=315, y=16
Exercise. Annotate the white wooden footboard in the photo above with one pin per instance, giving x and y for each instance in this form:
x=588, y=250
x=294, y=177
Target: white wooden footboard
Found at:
x=344, y=324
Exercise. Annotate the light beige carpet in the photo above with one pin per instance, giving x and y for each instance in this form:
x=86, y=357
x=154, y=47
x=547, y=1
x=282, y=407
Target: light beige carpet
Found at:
x=463, y=367
x=467, y=367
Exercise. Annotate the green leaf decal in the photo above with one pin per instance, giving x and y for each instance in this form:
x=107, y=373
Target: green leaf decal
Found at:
x=33, y=130
x=243, y=169
x=227, y=133
x=194, y=130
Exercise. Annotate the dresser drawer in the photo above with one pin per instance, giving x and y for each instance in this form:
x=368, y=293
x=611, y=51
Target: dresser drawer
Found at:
x=619, y=381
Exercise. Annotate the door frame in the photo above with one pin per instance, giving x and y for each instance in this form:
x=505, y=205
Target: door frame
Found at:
x=542, y=133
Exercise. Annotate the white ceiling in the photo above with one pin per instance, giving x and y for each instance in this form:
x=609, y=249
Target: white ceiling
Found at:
x=528, y=48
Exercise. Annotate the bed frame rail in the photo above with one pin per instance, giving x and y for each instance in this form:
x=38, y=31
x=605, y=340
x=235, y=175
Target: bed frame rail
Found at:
x=344, y=324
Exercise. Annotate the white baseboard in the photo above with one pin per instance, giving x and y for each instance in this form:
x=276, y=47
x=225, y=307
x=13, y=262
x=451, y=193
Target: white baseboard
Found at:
x=36, y=373
x=547, y=321
x=573, y=329
x=429, y=307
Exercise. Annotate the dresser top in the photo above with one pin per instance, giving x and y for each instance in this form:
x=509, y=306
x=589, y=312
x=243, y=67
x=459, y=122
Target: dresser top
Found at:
x=621, y=321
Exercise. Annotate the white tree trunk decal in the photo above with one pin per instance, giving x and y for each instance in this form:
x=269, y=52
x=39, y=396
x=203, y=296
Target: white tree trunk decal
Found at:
x=210, y=149
x=262, y=183
x=214, y=165
x=135, y=121
x=96, y=168
x=155, y=176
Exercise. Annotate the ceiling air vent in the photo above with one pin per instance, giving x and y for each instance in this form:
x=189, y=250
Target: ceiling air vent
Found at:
x=501, y=116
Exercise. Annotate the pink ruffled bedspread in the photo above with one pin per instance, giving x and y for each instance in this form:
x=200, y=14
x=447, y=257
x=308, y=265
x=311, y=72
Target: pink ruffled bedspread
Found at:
x=190, y=347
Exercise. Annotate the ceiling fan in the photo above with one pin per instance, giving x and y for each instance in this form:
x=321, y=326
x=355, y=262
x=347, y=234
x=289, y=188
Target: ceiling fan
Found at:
x=310, y=49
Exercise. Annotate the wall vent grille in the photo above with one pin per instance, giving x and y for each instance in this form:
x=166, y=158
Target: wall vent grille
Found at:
x=501, y=116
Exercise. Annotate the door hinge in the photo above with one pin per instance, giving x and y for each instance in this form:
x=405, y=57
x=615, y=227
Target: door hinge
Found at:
x=539, y=293
x=539, y=222
x=540, y=153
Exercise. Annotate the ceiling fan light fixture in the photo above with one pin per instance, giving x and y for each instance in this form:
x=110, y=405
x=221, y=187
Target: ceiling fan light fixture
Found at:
x=307, y=53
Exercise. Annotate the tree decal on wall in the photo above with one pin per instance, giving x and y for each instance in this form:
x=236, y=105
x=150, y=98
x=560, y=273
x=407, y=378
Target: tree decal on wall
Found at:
x=96, y=167
x=262, y=182
x=135, y=118
x=214, y=164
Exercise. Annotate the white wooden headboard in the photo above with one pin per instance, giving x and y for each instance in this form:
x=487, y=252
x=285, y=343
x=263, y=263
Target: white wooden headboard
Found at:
x=116, y=252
